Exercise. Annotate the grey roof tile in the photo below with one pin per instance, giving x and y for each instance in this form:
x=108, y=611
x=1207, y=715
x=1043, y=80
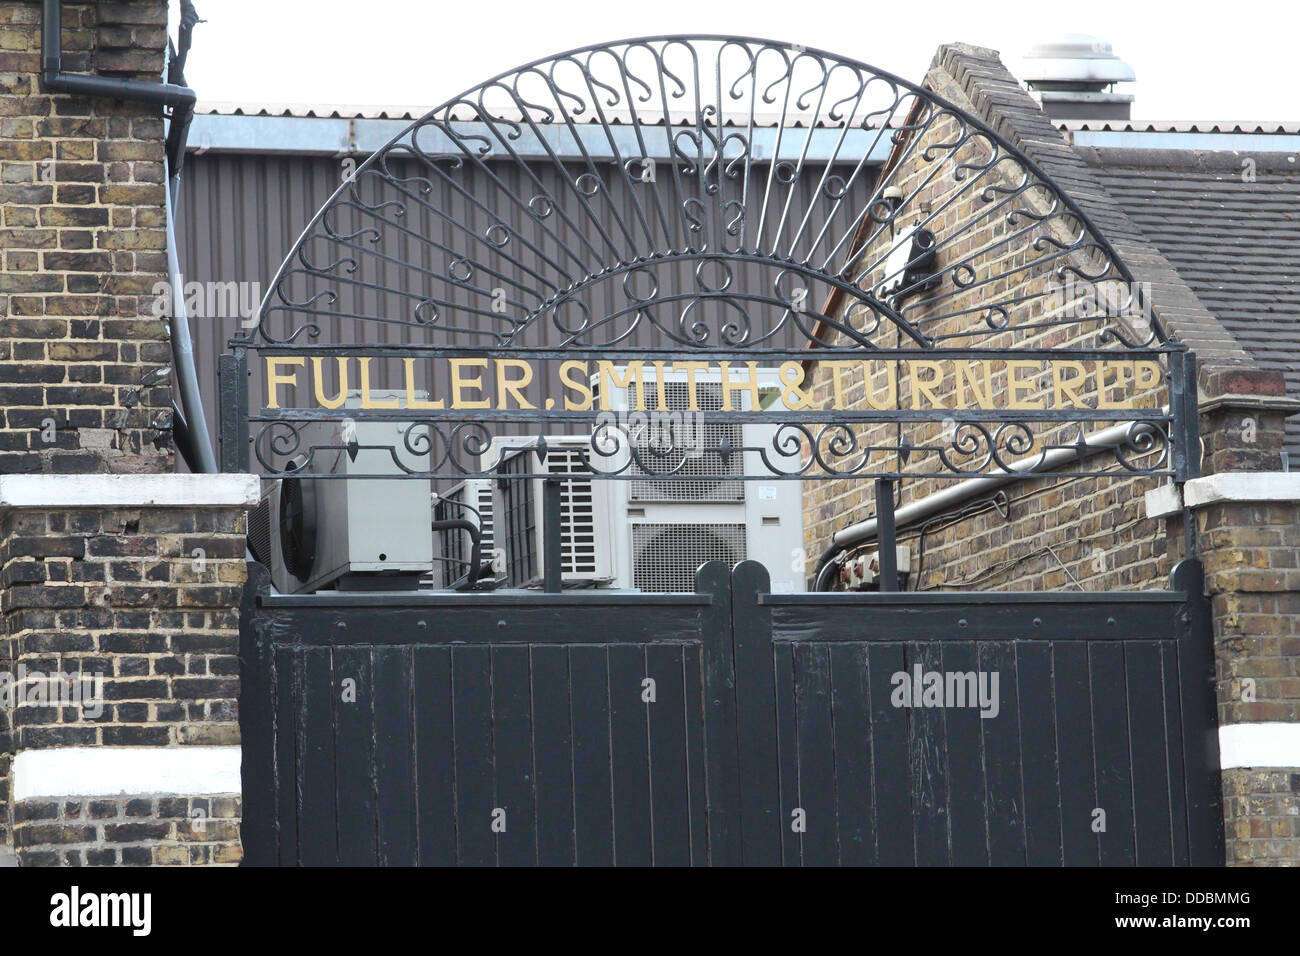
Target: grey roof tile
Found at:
x=1236, y=243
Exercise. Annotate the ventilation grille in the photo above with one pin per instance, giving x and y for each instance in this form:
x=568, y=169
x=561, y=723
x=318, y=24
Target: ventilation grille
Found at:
x=522, y=518
x=577, y=512
x=259, y=530
x=680, y=487
x=665, y=557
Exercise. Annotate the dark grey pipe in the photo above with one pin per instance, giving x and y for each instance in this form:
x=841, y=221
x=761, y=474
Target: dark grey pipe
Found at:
x=54, y=80
x=204, y=459
x=476, y=547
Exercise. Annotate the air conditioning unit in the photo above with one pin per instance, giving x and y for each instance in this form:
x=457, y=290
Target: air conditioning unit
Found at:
x=349, y=533
x=665, y=528
x=586, y=558
x=471, y=500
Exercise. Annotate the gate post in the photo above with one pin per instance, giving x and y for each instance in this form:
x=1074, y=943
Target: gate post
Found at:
x=1247, y=528
x=760, y=793
x=1200, y=727
x=722, y=771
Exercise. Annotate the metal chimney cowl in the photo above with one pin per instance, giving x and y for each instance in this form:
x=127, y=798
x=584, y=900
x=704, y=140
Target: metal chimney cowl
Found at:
x=1072, y=75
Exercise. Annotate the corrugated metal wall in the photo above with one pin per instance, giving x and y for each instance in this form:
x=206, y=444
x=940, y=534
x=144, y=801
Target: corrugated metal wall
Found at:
x=240, y=214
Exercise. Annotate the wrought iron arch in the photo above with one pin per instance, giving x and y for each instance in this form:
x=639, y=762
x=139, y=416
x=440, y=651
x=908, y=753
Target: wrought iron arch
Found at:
x=599, y=204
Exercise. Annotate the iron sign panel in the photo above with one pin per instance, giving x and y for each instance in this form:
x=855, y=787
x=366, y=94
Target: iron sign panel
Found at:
x=964, y=300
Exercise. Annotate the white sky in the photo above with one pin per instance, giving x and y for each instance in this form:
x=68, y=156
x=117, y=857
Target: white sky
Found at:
x=1193, y=60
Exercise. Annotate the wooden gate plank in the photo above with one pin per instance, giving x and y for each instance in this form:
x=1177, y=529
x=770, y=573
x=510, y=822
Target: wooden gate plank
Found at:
x=354, y=741
x=1079, y=845
x=318, y=830
x=630, y=756
x=787, y=738
x=395, y=771
x=1039, y=753
x=288, y=696
x=435, y=757
x=693, y=690
x=553, y=755
x=929, y=767
x=816, y=754
x=471, y=670
x=967, y=811
x=1151, y=820
x=1001, y=739
x=512, y=732
x=593, y=811
x=891, y=774
x=1112, y=761
x=670, y=795
x=850, y=702
x=1173, y=723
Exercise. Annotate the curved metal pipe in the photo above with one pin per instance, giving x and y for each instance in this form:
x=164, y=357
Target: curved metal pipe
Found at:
x=476, y=546
x=855, y=534
x=187, y=378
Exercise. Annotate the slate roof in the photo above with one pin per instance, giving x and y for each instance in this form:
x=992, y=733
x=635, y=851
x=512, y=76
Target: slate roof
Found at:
x=1235, y=242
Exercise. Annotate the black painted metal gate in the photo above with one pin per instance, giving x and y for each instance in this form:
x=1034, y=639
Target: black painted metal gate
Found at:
x=730, y=726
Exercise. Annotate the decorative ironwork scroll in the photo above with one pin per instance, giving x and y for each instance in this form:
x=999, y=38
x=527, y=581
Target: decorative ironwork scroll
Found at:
x=907, y=292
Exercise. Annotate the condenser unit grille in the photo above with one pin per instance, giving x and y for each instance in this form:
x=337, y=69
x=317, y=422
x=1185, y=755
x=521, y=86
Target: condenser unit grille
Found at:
x=522, y=516
x=577, y=512
x=259, y=531
x=693, y=462
x=519, y=519
x=666, y=556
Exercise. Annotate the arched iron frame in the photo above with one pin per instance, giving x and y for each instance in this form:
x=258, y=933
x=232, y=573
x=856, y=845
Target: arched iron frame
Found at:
x=706, y=203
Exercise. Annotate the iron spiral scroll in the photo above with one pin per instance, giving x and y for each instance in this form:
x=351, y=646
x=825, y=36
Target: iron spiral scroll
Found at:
x=605, y=203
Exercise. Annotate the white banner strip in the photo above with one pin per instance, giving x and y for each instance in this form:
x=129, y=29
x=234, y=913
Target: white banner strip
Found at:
x=140, y=491
x=109, y=771
x=1259, y=745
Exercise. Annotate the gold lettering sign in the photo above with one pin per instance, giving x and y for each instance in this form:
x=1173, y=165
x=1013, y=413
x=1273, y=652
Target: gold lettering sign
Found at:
x=869, y=384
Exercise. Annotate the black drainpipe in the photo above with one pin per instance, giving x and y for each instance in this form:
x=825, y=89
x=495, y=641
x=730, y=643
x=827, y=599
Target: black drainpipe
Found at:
x=53, y=80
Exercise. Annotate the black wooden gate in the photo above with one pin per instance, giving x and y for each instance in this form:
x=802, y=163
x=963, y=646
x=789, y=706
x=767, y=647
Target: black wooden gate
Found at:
x=729, y=726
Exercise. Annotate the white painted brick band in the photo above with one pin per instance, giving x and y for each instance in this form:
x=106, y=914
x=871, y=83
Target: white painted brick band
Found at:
x=1233, y=486
x=1260, y=745
x=114, y=771
x=142, y=491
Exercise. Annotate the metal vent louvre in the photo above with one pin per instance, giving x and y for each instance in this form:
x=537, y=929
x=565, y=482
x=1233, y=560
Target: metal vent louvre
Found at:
x=259, y=531
x=709, y=398
x=521, y=518
x=578, y=519
x=519, y=521
x=665, y=557
x=486, y=522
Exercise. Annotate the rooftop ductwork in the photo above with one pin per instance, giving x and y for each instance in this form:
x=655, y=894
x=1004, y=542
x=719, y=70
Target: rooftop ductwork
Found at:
x=1073, y=76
